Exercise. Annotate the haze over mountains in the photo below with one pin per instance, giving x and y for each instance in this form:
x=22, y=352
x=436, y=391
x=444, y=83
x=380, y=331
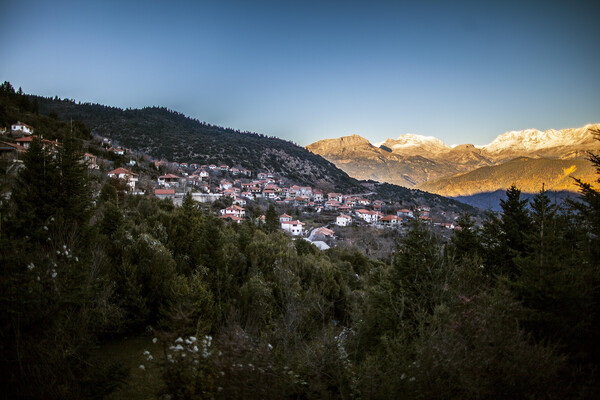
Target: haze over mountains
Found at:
x=526, y=158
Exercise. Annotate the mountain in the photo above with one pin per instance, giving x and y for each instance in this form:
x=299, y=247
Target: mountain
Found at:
x=398, y=162
x=564, y=144
x=428, y=164
x=163, y=133
x=411, y=144
x=527, y=174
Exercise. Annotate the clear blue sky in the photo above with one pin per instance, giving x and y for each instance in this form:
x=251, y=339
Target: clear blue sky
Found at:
x=307, y=70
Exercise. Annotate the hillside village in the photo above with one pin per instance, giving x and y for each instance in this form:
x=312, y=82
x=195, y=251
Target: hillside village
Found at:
x=244, y=194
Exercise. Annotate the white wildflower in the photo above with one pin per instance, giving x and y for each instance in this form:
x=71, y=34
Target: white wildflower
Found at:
x=30, y=266
x=146, y=353
x=179, y=340
x=193, y=338
x=142, y=367
x=153, y=340
x=150, y=357
x=195, y=349
x=45, y=228
x=54, y=274
x=178, y=347
x=269, y=346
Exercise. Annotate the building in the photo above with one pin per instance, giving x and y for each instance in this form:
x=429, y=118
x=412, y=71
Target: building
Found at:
x=91, y=161
x=368, y=216
x=390, y=220
x=121, y=173
x=343, y=220
x=165, y=193
x=21, y=129
x=235, y=211
x=405, y=213
x=168, y=180
x=285, y=218
x=296, y=228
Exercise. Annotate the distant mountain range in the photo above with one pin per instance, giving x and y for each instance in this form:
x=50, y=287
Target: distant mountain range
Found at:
x=526, y=158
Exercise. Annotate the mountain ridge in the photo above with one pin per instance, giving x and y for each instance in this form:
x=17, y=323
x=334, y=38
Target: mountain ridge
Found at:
x=420, y=160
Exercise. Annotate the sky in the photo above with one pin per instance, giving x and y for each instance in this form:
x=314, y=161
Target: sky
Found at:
x=462, y=71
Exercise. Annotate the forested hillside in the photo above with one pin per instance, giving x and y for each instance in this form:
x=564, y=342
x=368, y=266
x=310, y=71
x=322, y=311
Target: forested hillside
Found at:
x=506, y=311
x=163, y=133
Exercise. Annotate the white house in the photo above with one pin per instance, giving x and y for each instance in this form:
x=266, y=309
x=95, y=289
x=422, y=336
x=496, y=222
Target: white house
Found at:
x=296, y=228
x=224, y=185
x=234, y=211
x=368, y=216
x=343, y=220
x=203, y=174
x=21, y=128
x=126, y=175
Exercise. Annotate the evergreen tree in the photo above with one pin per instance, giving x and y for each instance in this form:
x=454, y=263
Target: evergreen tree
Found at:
x=271, y=219
x=504, y=238
x=35, y=193
x=465, y=241
x=74, y=197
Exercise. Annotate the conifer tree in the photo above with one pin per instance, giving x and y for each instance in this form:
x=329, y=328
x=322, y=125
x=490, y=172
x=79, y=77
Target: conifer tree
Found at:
x=465, y=241
x=504, y=238
x=271, y=219
x=74, y=196
x=35, y=193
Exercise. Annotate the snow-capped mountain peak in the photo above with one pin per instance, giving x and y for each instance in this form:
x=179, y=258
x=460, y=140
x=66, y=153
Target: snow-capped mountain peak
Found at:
x=531, y=140
x=411, y=141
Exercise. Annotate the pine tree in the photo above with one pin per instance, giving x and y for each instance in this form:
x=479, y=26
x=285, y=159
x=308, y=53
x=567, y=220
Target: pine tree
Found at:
x=465, y=241
x=504, y=238
x=271, y=219
x=34, y=197
x=74, y=195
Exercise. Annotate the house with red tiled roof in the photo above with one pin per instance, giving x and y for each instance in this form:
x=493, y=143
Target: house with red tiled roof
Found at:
x=91, y=161
x=285, y=218
x=168, y=180
x=164, y=193
x=11, y=151
x=234, y=210
x=368, y=216
x=322, y=233
x=390, y=220
x=121, y=173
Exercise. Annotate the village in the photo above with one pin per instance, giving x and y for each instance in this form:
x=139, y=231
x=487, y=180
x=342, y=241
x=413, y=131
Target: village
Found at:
x=304, y=211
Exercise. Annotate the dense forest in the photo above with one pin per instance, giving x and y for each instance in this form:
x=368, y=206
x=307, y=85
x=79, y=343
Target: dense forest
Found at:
x=508, y=310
